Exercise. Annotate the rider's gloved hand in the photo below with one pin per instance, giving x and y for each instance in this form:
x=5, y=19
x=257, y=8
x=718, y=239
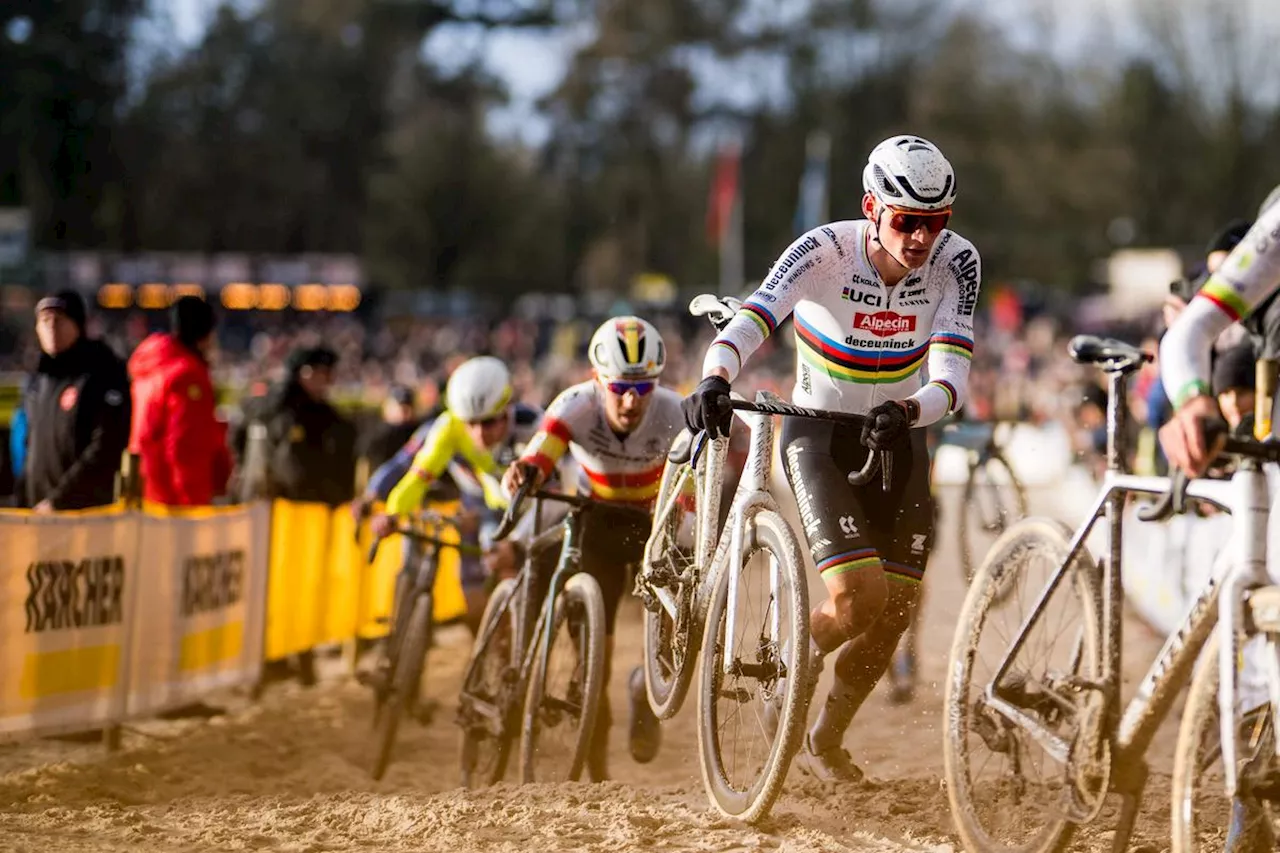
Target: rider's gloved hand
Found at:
x=704, y=409
x=887, y=425
x=383, y=525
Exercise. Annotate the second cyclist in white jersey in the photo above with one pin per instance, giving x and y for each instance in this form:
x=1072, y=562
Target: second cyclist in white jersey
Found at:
x=883, y=311
x=1243, y=281
x=618, y=427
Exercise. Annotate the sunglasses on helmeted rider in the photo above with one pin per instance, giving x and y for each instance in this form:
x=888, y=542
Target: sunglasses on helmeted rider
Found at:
x=620, y=386
x=908, y=223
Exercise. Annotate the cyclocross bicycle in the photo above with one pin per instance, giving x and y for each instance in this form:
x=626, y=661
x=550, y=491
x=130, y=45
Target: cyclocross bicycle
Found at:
x=397, y=674
x=519, y=680
x=1034, y=677
x=696, y=583
x=993, y=497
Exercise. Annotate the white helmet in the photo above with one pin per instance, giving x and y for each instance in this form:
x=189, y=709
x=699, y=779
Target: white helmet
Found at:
x=910, y=173
x=479, y=388
x=627, y=348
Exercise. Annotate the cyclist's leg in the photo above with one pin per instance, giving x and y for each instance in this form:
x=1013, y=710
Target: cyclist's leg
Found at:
x=611, y=542
x=867, y=545
x=906, y=659
x=904, y=538
x=836, y=529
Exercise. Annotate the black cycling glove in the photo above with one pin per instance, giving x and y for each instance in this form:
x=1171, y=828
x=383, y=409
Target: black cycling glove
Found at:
x=887, y=425
x=707, y=408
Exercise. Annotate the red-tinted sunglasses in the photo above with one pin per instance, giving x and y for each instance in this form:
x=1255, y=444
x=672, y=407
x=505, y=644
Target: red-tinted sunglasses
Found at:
x=620, y=387
x=909, y=223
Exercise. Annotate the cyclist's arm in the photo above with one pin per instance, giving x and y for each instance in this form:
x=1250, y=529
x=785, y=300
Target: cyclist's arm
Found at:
x=428, y=464
x=393, y=470
x=555, y=431
x=1249, y=274
x=950, y=349
x=790, y=279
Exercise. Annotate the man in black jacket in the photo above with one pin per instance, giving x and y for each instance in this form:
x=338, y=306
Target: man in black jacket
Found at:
x=78, y=410
x=310, y=447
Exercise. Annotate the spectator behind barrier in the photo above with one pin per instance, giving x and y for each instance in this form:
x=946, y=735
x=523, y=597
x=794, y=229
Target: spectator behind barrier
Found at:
x=310, y=446
x=182, y=444
x=77, y=409
x=310, y=449
x=399, y=420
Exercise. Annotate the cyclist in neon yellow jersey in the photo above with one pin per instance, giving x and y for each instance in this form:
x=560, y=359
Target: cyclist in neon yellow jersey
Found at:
x=473, y=441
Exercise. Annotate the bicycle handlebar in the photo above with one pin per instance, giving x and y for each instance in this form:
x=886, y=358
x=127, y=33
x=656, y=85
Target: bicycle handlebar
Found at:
x=1174, y=501
x=409, y=533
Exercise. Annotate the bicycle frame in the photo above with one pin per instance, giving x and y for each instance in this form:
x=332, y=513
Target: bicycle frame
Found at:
x=1245, y=497
x=528, y=613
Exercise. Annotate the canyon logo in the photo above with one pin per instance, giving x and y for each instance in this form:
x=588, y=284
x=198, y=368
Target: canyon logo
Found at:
x=882, y=324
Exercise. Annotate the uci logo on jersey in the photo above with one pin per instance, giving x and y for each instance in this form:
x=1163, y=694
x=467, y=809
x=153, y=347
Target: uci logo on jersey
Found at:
x=861, y=297
x=882, y=324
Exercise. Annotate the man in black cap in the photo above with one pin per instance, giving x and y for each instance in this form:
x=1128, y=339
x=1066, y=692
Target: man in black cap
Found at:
x=310, y=448
x=77, y=407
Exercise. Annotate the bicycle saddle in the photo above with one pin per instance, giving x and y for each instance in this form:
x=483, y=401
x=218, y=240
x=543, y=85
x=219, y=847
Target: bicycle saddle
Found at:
x=719, y=308
x=1108, y=352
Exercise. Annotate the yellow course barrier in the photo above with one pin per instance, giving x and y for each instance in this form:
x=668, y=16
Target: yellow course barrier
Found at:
x=320, y=590
x=115, y=613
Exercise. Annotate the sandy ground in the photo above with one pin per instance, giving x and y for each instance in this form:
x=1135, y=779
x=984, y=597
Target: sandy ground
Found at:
x=287, y=773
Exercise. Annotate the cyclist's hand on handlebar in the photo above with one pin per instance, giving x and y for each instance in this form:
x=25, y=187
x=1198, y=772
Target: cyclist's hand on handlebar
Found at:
x=886, y=425
x=360, y=508
x=383, y=525
x=1183, y=436
x=707, y=407
x=517, y=473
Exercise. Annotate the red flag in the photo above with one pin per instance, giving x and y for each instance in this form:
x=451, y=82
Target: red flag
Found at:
x=724, y=191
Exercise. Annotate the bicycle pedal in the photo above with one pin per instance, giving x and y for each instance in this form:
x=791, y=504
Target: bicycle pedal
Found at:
x=1264, y=608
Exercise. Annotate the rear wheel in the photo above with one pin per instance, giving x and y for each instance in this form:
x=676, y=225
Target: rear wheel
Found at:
x=993, y=500
x=670, y=644
x=1007, y=792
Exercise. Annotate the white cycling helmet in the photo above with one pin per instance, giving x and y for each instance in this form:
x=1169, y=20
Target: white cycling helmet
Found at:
x=627, y=348
x=910, y=173
x=479, y=388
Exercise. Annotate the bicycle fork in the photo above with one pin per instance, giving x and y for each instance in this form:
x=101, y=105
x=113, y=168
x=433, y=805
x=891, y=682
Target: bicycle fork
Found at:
x=1252, y=511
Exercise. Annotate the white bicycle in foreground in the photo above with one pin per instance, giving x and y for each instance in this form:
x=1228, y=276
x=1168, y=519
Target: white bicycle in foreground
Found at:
x=1033, y=689
x=755, y=611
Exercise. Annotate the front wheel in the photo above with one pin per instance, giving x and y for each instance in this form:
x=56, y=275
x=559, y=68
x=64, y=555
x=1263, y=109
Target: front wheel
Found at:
x=411, y=662
x=565, y=686
x=487, y=707
x=1202, y=814
x=768, y=621
x=1007, y=791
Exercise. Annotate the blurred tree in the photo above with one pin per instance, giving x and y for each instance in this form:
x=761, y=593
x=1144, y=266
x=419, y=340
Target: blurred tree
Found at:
x=63, y=78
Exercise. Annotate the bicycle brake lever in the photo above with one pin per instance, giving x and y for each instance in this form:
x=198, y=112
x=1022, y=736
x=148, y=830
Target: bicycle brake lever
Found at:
x=886, y=470
x=1171, y=503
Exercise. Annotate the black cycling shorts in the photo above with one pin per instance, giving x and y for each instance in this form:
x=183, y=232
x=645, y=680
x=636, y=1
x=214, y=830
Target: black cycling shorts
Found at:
x=857, y=527
x=612, y=540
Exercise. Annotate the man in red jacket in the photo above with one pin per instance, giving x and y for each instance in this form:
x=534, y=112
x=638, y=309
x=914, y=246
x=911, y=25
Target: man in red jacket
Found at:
x=183, y=446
